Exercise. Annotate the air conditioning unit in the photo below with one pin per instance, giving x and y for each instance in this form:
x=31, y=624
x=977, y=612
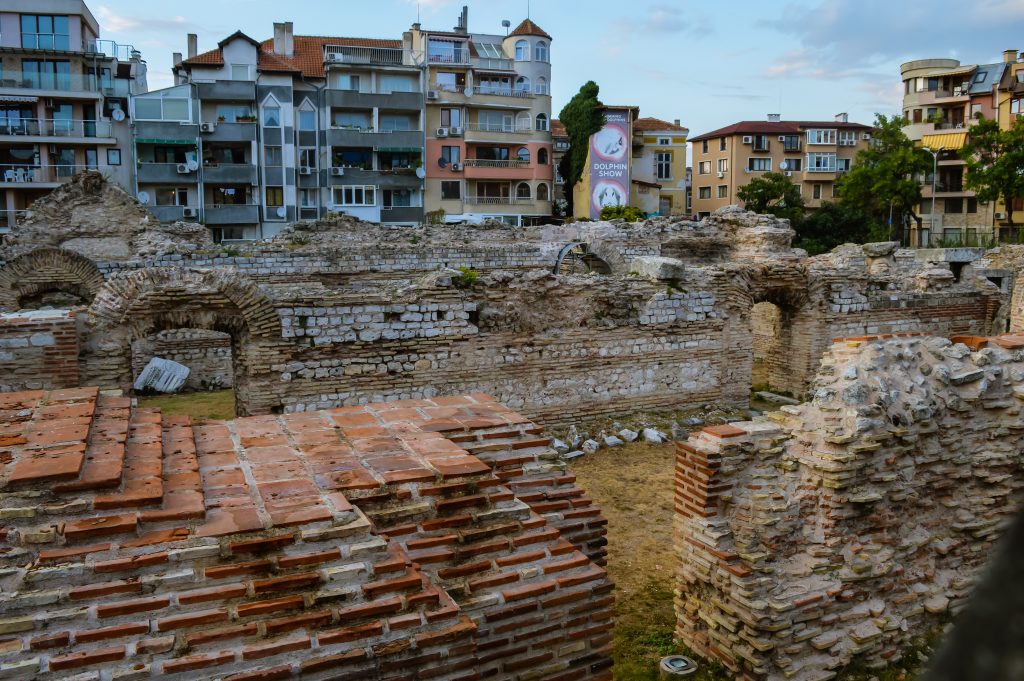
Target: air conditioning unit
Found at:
x=183, y=169
x=788, y=173
x=456, y=167
x=782, y=138
x=442, y=132
x=865, y=136
x=721, y=174
x=432, y=94
x=334, y=56
x=1000, y=216
x=748, y=139
x=190, y=212
x=207, y=127
x=305, y=170
x=337, y=172
x=455, y=132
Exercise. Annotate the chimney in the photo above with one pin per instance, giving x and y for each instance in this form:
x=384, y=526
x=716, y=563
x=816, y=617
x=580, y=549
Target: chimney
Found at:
x=463, y=25
x=284, y=39
x=774, y=118
x=175, y=58
x=193, y=45
x=842, y=118
x=676, y=121
x=1009, y=56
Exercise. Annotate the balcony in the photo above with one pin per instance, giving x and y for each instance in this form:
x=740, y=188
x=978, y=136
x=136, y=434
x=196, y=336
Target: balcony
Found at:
x=112, y=49
x=497, y=201
x=64, y=84
x=231, y=214
x=67, y=130
x=367, y=137
x=483, y=169
x=402, y=214
x=37, y=176
x=494, y=64
x=347, y=54
x=386, y=179
x=168, y=213
x=491, y=132
x=159, y=132
x=454, y=56
x=351, y=99
x=165, y=173
x=230, y=173
x=488, y=163
x=486, y=96
x=227, y=91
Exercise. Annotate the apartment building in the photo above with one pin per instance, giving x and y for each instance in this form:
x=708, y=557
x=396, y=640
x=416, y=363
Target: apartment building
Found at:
x=559, y=148
x=63, y=100
x=659, y=167
x=1010, y=109
x=942, y=99
x=488, y=114
x=814, y=154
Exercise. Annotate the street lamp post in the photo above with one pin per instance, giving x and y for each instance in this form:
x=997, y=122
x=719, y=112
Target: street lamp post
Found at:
x=935, y=171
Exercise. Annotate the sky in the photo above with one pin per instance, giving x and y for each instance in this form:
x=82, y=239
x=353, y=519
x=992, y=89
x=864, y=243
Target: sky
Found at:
x=708, y=64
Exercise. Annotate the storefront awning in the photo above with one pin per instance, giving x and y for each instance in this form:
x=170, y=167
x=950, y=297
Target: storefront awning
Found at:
x=947, y=140
x=190, y=143
x=18, y=98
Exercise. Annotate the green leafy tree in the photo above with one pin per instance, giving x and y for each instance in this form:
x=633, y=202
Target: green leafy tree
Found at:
x=833, y=224
x=995, y=163
x=884, y=178
x=627, y=213
x=774, y=194
x=582, y=117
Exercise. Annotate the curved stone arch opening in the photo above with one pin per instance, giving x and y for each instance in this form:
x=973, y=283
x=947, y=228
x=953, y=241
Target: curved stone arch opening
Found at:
x=135, y=306
x=581, y=257
x=27, y=278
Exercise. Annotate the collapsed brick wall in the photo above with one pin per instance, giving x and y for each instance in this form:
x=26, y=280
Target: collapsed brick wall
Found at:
x=39, y=349
x=440, y=539
x=844, y=527
x=207, y=354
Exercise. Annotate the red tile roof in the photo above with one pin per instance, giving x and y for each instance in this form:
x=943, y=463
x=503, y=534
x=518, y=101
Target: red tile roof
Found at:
x=774, y=128
x=557, y=129
x=656, y=125
x=529, y=28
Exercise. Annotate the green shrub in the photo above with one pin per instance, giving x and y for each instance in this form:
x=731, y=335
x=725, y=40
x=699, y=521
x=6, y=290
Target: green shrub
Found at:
x=435, y=217
x=466, y=278
x=627, y=213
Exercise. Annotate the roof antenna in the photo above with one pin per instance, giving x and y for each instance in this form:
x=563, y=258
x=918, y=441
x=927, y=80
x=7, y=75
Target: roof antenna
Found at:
x=418, y=3
x=527, y=9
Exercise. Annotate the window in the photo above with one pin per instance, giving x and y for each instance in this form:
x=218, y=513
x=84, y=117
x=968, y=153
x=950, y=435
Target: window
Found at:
x=704, y=192
x=540, y=52
x=542, y=121
x=757, y=165
x=46, y=75
x=522, y=50
x=523, y=154
x=723, y=165
x=542, y=157
x=307, y=158
x=347, y=81
x=113, y=157
x=45, y=32
x=664, y=141
x=663, y=165
x=308, y=198
x=954, y=206
x=1017, y=105
x=352, y=158
x=451, y=118
x=523, y=191
x=821, y=136
x=272, y=155
x=171, y=196
x=542, y=86
x=451, y=190
x=843, y=164
x=816, y=191
x=761, y=143
x=233, y=113
x=395, y=83
x=355, y=195
x=792, y=164
x=723, y=191
x=393, y=122
x=239, y=72
x=271, y=117
x=275, y=197
x=821, y=163
x=451, y=155
x=307, y=120
x=976, y=111
x=721, y=144
x=704, y=146
x=704, y=168
x=400, y=198
x=847, y=138
x=522, y=84
x=352, y=121
x=972, y=204
x=542, y=192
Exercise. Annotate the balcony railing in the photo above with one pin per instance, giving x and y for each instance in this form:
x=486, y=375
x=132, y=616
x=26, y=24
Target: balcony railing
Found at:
x=499, y=127
x=497, y=200
x=501, y=91
x=494, y=64
x=489, y=163
x=458, y=55
x=60, y=127
x=112, y=49
x=64, y=82
x=38, y=174
x=345, y=54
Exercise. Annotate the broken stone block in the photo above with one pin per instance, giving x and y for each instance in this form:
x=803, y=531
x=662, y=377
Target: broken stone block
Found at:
x=612, y=441
x=880, y=249
x=559, y=446
x=776, y=398
x=657, y=267
x=590, y=446
x=653, y=437
x=628, y=435
x=162, y=375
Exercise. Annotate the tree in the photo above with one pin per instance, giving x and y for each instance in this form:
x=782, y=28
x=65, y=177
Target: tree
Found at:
x=833, y=224
x=582, y=117
x=995, y=163
x=883, y=180
x=775, y=194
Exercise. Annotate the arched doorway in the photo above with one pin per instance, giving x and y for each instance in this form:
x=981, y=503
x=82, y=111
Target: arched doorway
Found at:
x=49, y=277
x=206, y=353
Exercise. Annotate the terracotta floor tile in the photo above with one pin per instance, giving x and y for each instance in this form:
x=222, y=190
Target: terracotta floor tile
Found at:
x=223, y=522
x=59, y=463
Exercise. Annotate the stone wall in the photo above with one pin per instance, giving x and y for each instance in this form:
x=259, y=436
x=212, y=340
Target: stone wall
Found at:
x=207, y=354
x=39, y=349
x=844, y=527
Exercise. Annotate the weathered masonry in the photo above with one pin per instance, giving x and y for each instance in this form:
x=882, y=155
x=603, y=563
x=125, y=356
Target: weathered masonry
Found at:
x=344, y=313
x=438, y=536
x=844, y=527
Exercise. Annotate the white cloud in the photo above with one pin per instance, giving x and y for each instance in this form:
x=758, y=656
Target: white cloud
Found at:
x=118, y=23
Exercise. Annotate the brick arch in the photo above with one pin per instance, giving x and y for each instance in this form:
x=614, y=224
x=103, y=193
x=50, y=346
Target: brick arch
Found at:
x=600, y=257
x=48, y=269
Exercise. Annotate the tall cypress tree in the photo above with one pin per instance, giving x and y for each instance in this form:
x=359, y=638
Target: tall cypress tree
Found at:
x=582, y=117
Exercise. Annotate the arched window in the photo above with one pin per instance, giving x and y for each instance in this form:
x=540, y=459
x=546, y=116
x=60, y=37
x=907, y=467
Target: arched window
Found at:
x=542, y=192
x=542, y=121
x=540, y=53
x=522, y=50
x=542, y=157
x=542, y=85
x=522, y=84
x=523, y=122
x=523, y=154
x=523, y=191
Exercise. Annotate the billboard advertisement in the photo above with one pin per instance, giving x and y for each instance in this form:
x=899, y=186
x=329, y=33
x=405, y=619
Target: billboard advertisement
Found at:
x=609, y=162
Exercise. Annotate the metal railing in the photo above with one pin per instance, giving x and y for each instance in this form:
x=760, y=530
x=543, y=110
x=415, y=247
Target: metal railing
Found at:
x=63, y=82
x=497, y=200
x=498, y=127
x=502, y=91
x=56, y=127
x=436, y=55
x=345, y=54
x=494, y=64
x=34, y=174
x=489, y=163
x=112, y=49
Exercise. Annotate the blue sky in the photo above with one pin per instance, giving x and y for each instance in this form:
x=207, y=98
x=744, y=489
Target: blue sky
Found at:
x=708, y=64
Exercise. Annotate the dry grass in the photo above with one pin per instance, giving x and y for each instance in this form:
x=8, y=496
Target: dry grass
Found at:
x=633, y=487
x=200, y=407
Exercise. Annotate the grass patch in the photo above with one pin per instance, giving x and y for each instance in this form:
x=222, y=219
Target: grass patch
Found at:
x=200, y=407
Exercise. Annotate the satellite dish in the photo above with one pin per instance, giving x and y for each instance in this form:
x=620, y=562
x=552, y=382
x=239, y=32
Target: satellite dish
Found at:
x=282, y=212
x=117, y=115
x=783, y=165
x=143, y=197
x=469, y=91
x=421, y=172
x=505, y=23
x=442, y=162
x=192, y=164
